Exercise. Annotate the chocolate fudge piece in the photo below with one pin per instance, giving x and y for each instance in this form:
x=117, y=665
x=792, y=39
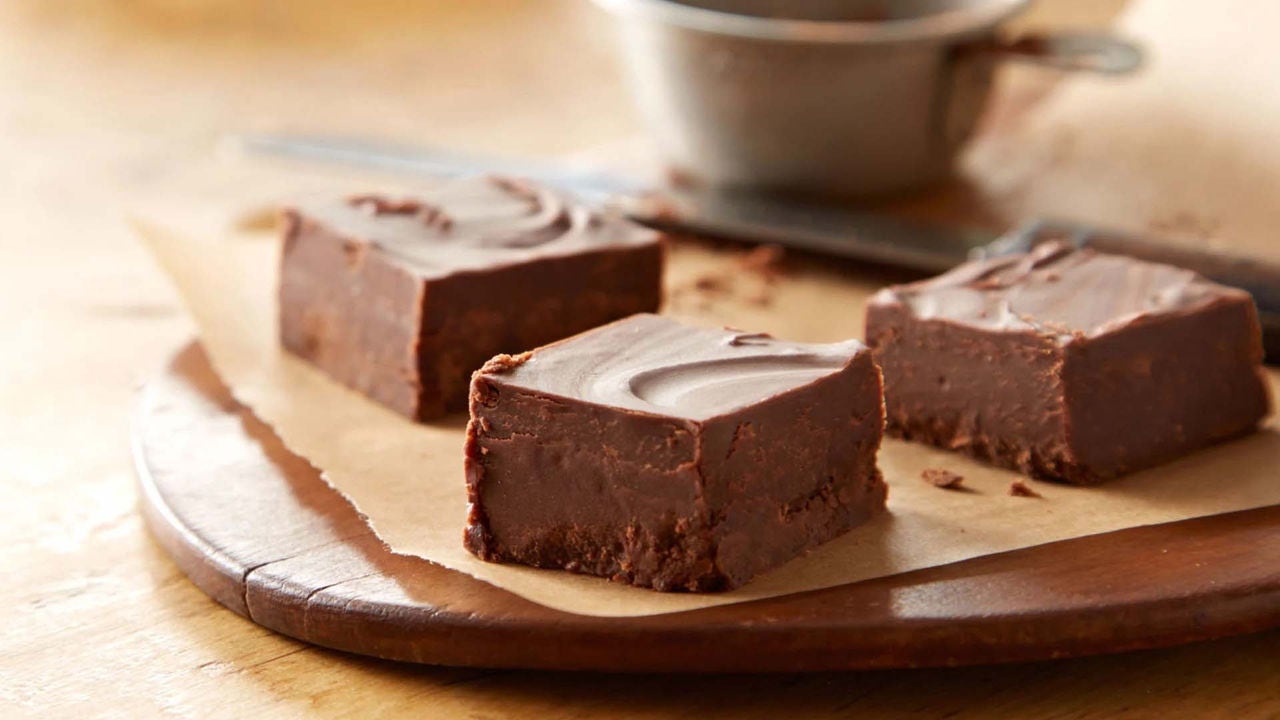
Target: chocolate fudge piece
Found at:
x=403, y=298
x=668, y=456
x=1068, y=364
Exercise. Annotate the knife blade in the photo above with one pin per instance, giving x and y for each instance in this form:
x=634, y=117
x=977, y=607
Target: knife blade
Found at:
x=839, y=231
x=816, y=228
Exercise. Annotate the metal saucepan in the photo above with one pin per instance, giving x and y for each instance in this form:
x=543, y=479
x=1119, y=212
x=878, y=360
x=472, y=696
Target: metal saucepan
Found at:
x=828, y=97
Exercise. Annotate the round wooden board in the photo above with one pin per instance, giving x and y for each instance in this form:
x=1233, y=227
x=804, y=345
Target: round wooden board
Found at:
x=257, y=529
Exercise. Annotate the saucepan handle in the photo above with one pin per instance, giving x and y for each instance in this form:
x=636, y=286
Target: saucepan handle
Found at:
x=972, y=68
x=1082, y=51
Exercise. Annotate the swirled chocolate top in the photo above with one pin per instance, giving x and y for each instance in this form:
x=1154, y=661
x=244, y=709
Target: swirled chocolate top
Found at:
x=473, y=223
x=1057, y=290
x=660, y=366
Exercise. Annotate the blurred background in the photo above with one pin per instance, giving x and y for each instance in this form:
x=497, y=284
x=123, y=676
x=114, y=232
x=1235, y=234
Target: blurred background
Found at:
x=433, y=70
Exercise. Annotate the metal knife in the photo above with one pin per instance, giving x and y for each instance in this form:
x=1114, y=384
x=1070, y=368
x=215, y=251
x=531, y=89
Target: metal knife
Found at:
x=826, y=229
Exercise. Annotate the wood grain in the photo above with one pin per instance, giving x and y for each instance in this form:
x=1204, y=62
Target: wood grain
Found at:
x=106, y=105
x=260, y=530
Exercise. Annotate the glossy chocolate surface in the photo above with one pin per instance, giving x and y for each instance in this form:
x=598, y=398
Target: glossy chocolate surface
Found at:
x=1058, y=291
x=655, y=365
x=474, y=224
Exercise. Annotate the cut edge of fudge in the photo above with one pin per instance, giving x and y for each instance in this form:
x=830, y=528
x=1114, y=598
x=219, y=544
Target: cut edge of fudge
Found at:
x=668, y=502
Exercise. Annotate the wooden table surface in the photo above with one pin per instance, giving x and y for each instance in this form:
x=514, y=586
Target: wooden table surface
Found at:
x=107, y=104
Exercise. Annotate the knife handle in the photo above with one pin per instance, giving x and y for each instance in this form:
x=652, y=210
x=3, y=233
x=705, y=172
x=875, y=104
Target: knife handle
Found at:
x=1261, y=278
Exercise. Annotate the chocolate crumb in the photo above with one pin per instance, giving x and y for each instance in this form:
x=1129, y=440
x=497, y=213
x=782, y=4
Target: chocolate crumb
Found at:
x=499, y=364
x=1018, y=488
x=727, y=282
x=711, y=283
x=939, y=477
x=766, y=261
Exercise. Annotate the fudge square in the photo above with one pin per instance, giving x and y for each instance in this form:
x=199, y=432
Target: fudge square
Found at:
x=1069, y=364
x=669, y=456
x=403, y=298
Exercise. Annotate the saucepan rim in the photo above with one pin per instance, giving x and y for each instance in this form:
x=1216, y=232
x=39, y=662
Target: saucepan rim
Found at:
x=957, y=22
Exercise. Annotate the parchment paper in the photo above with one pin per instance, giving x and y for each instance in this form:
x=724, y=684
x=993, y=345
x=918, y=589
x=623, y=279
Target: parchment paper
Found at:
x=407, y=478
